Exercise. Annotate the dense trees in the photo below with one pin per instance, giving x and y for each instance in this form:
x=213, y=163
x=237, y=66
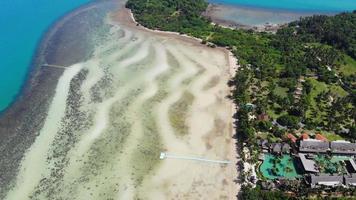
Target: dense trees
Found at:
x=289, y=121
x=172, y=15
x=312, y=48
x=259, y=194
x=338, y=31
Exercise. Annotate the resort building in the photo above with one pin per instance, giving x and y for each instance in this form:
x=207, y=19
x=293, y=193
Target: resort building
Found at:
x=350, y=180
x=350, y=165
x=313, y=146
x=309, y=165
x=325, y=180
x=329, y=180
x=343, y=147
x=321, y=146
x=276, y=148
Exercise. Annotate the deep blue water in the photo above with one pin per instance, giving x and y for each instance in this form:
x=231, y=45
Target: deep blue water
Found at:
x=296, y=5
x=23, y=22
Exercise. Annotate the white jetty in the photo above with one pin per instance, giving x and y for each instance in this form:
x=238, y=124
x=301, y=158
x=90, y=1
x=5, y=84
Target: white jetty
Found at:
x=165, y=155
x=54, y=66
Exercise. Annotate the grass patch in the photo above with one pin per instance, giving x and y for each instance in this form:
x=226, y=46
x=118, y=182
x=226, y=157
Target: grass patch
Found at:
x=337, y=90
x=318, y=87
x=281, y=91
x=332, y=136
x=273, y=111
x=178, y=113
x=349, y=68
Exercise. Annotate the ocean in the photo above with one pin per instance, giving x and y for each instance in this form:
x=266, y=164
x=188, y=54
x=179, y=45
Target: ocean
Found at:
x=23, y=23
x=296, y=5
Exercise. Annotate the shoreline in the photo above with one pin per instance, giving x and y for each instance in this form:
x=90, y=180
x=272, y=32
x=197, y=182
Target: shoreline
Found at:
x=232, y=69
x=229, y=16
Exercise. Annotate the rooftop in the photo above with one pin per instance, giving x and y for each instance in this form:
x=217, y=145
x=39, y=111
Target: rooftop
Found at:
x=350, y=179
x=291, y=137
x=311, y=145
x=343, y=147
x=325, y=179
x=321, y=137
x=353, y=164
x=304, y=136
x=309, y=165
x=276, y=147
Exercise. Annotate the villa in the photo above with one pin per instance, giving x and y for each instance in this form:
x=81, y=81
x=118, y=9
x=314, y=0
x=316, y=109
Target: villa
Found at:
x=278, y=148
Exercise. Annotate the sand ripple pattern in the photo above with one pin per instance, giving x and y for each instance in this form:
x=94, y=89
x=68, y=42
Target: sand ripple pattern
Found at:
x=109, y=121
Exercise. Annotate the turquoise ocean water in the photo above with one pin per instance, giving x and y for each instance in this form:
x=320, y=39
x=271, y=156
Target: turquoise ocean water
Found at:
x=296, y=5
x=22, y=23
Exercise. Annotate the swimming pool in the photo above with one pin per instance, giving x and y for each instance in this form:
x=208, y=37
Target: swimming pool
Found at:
x=278, y=167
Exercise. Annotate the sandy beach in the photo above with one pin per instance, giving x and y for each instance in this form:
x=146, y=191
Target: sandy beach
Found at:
x=179, y=182
x=141, y=93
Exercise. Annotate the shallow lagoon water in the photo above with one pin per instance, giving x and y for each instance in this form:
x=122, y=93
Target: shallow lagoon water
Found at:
x=296, y=5
x=260, y=12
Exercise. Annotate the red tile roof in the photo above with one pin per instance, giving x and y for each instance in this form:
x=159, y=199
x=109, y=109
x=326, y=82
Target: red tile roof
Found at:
x=321, y=137
x=291, y=137
x=263, y=117
x=304, y=136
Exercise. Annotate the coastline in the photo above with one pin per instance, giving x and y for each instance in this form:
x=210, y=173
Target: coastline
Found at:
x=257, y=19
x=126, y=17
